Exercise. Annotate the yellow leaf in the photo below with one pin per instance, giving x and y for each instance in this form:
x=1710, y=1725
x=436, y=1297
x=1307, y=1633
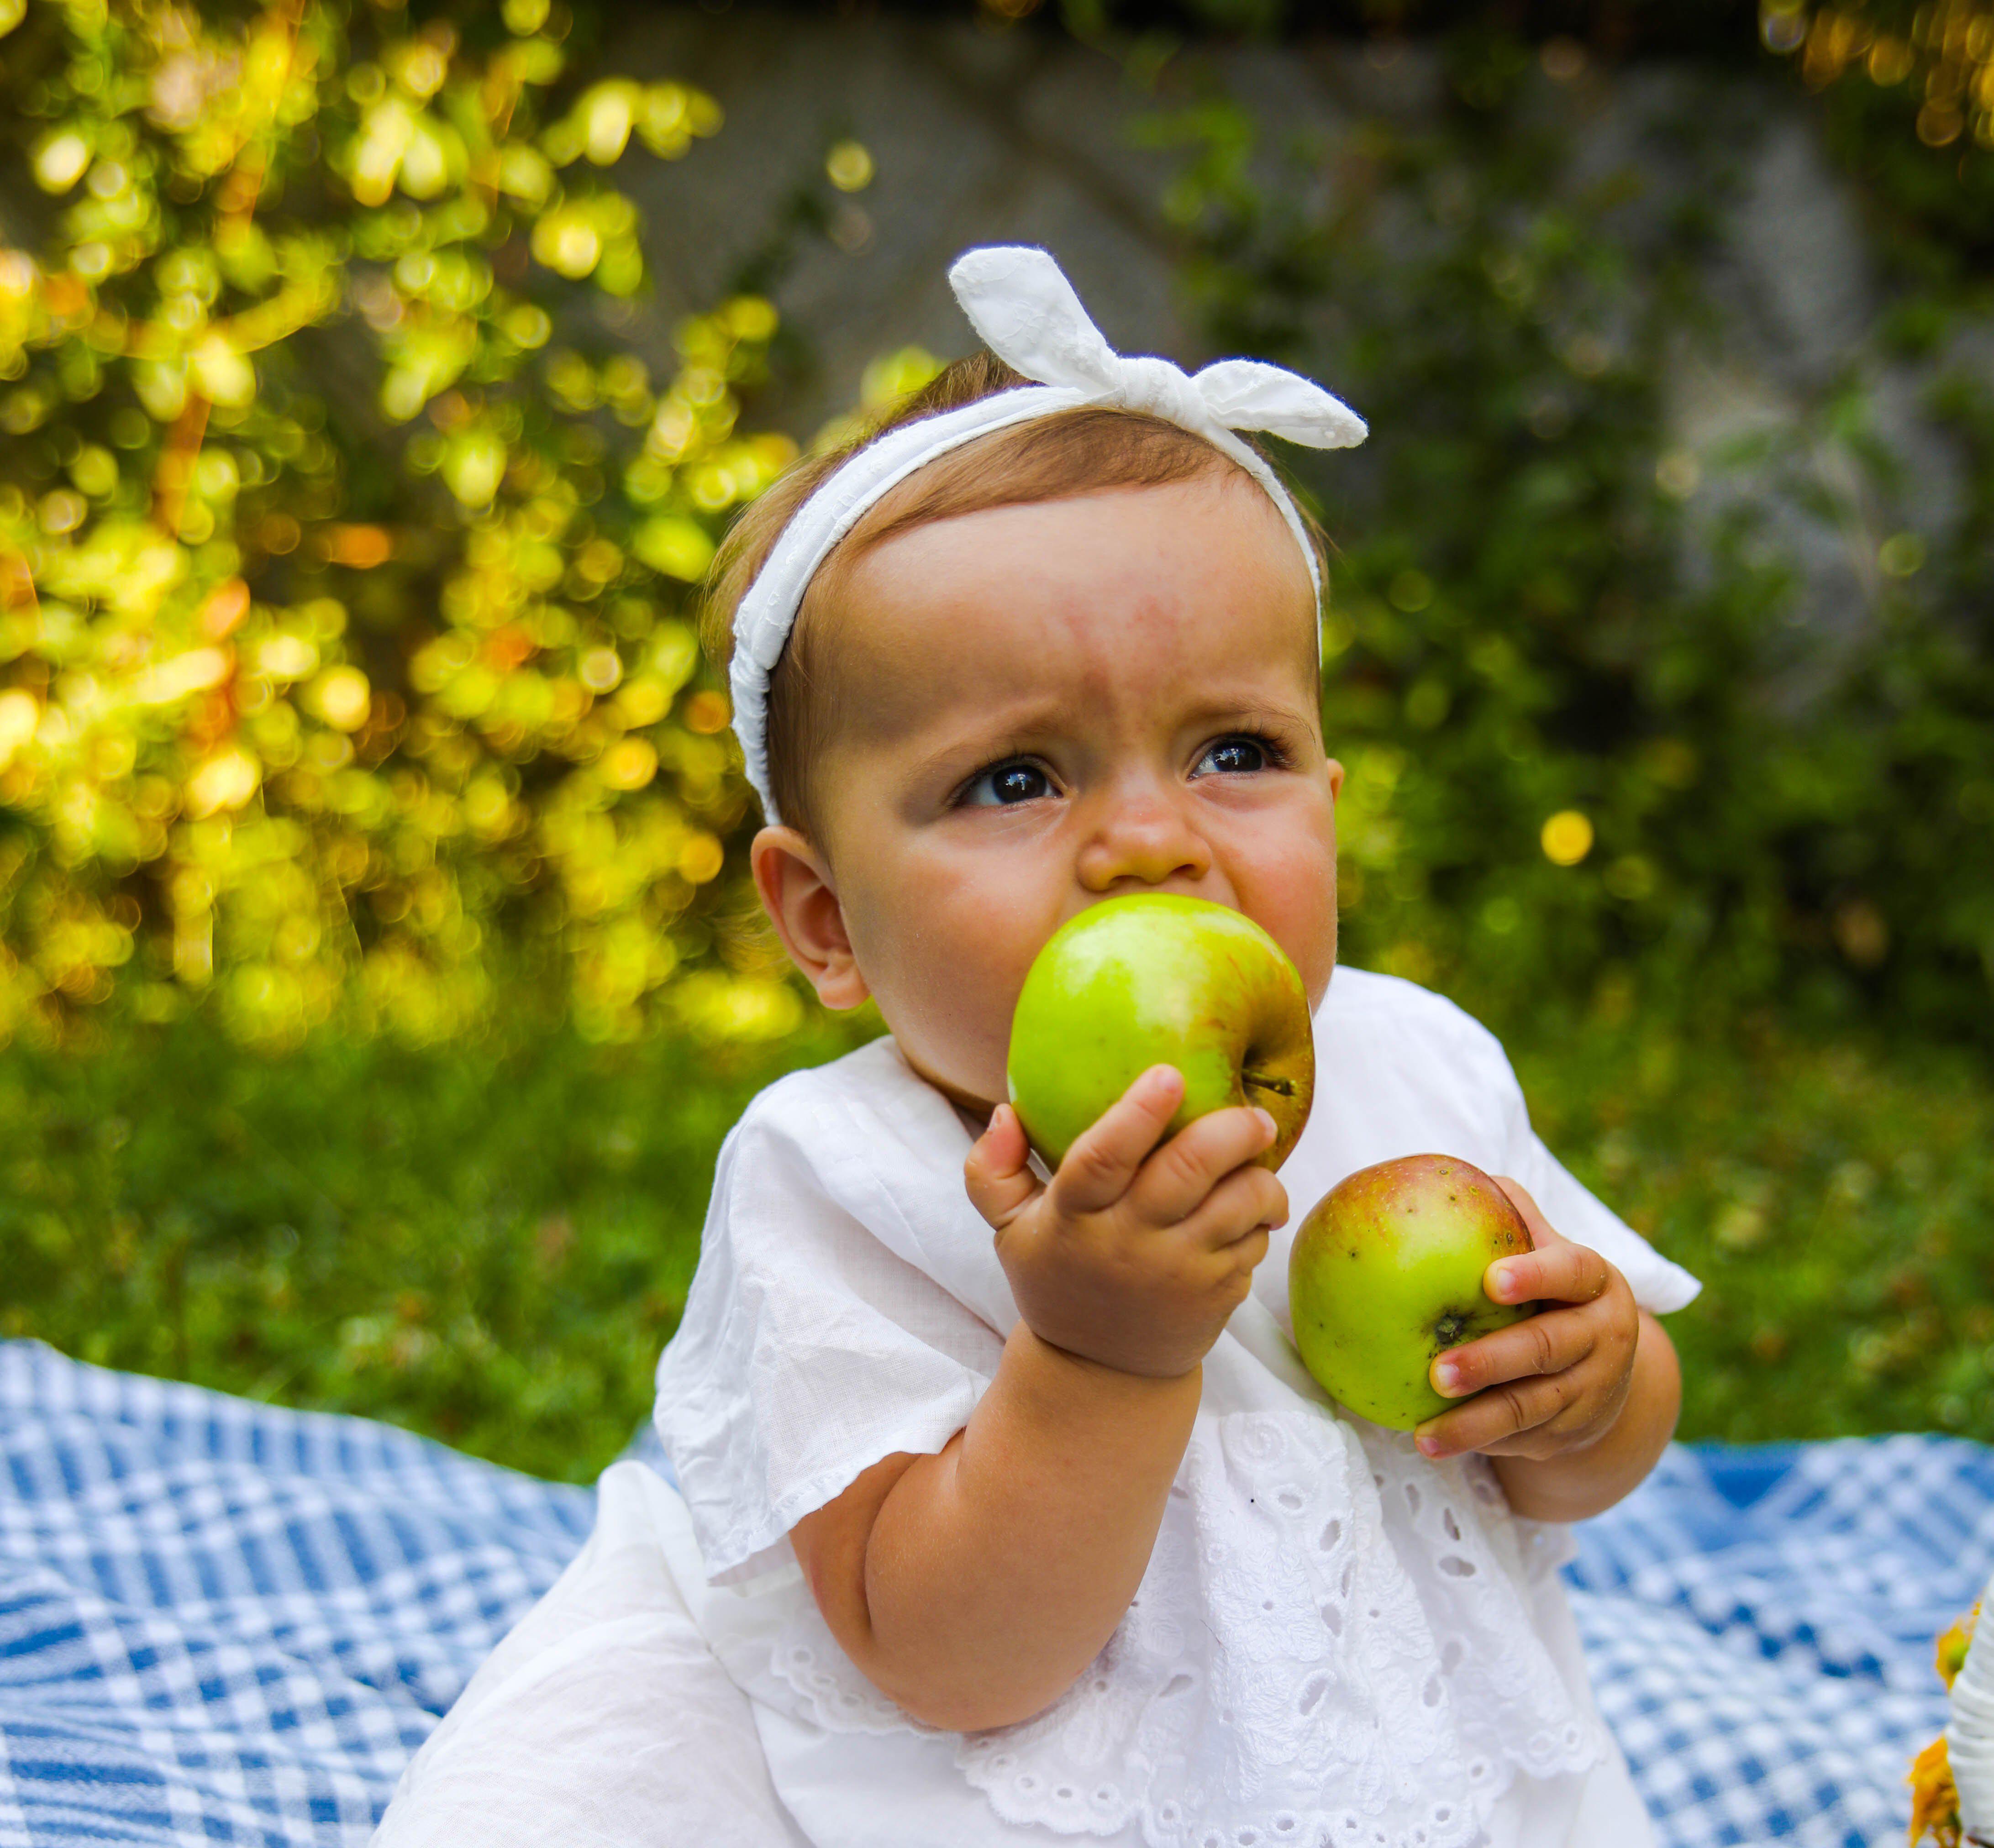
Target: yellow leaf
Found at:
x=701, y=859
x=227, y=780
x=343, y=698
x=196, y=671
x=286, y=657
x=60, y=160
x=629, y=764
x=221, y=374
x=566, y=242
x=19, y=714
x=678, y=546
x=607, y=113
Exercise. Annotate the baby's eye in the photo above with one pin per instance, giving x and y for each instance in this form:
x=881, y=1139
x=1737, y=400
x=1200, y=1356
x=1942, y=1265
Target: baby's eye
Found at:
x=1235, y=756
x=1006, y=784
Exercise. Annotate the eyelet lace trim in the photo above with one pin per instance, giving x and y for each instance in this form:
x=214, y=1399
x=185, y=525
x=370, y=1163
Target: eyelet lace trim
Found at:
x=1325, y=1614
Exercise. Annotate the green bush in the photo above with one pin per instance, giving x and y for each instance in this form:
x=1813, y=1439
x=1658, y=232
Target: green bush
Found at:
x=323, y=704
x=344, y=547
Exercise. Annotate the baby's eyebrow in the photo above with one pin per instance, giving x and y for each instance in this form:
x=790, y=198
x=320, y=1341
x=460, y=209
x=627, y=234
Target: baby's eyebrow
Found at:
x=959, y=756
x=981, y=731
x=1252, y=712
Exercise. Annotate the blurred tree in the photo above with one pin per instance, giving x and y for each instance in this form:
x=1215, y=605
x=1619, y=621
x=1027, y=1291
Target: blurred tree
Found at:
x=1911, y=105
x=1557, y=637
x=343, y=550
x=344, y=546
x=1927, y=63
x=1713, y=28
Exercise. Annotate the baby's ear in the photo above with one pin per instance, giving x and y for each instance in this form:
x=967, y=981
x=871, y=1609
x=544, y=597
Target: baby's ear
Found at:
x=797, y=893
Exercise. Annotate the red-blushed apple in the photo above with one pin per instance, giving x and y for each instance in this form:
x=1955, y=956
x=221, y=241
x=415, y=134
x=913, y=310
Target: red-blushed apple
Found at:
x=1150, y=979
x=1386, y=1273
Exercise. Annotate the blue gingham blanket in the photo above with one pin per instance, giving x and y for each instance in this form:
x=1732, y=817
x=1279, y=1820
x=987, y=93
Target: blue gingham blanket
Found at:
x=222, y=1622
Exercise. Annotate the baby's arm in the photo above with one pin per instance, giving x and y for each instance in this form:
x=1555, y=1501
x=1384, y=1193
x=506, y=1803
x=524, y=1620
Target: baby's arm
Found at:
x=1572, y=1406
x=974, y=1586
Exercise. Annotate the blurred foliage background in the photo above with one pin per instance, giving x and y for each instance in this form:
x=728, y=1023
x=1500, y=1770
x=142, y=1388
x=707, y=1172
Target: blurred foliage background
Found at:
x=377, y=971
x=324, y=697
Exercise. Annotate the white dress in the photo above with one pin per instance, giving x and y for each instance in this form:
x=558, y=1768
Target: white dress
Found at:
x=1336, y=1641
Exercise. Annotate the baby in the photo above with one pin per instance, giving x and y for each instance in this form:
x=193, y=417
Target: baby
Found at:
x=1004, y=1512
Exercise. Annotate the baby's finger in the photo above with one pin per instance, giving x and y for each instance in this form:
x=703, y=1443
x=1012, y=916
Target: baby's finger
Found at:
x=997, y=1172
x=1099, y=1168
x=1492, y=1418
x=1543, y=1344
x=1557, y=1272
x=1247, y=1252
x=1243, y=1202
x=1178, y=1178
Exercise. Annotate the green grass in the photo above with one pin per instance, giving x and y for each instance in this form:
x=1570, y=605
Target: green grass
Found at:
x=490, y=1244
x=1836, y=1199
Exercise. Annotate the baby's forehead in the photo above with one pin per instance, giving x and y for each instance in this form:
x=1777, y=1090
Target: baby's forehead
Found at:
x=1110, y=590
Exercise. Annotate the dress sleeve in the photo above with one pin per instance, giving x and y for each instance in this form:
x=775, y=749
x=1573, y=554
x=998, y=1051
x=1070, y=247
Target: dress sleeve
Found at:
x=808, y=1350
x=1659, y=1285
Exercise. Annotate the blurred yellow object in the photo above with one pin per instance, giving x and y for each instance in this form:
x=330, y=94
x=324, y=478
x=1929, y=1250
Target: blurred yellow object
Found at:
x=1566, y=838
x=1934, y=1801
x=849, y=167
x=1949, y=1655
x=359, y=548
x=343, y=698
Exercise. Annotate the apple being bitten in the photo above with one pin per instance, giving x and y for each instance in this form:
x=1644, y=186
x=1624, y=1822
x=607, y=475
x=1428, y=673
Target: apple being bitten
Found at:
x=1157, y=979
x=1386, y=1275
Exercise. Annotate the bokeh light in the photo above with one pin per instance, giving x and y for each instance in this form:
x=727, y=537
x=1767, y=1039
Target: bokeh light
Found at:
x=1566, y=838
x=288, y=736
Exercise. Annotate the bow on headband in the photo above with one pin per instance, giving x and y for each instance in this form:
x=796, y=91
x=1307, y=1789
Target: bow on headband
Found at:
x=1018, y=299
x=1027, y=312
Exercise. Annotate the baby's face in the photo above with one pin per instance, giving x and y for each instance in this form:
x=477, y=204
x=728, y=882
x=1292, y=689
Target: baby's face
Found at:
x=1043, y=706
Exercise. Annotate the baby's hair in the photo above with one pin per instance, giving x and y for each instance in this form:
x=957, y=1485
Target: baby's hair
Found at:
x=1049, y=458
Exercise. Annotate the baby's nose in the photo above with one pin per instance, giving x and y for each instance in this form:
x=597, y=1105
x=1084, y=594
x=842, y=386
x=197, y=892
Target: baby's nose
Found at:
x=1144, y=837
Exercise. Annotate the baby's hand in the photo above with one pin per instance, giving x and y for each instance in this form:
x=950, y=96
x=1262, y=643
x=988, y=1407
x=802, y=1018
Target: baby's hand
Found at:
x=1133, y=1256
x=1554, y=1382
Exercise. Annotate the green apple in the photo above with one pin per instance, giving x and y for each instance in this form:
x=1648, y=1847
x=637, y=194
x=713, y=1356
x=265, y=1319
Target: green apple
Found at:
x=1156, y=979
x=1386, y=1273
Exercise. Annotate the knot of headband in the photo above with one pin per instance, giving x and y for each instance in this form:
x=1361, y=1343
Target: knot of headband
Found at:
x=1027, y=312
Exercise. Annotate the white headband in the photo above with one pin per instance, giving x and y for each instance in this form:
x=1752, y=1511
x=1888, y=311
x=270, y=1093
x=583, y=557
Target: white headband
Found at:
x=1027, y=312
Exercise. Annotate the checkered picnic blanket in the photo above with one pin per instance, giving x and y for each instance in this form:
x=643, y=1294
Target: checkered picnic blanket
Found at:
x=220, y=1622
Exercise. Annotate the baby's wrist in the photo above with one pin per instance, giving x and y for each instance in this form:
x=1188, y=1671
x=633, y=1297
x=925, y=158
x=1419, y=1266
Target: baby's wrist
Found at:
x=1070, y=1376
x=1123, y=1359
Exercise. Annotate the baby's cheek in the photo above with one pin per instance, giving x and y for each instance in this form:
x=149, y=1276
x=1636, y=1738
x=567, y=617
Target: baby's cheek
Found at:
x=1294, y=900
x=950, y=971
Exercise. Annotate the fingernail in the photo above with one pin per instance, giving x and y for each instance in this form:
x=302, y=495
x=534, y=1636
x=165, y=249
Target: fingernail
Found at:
x=1447, y=1375
x=1499, y=1283
x=1267, y=1117
x=1429, y=1446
